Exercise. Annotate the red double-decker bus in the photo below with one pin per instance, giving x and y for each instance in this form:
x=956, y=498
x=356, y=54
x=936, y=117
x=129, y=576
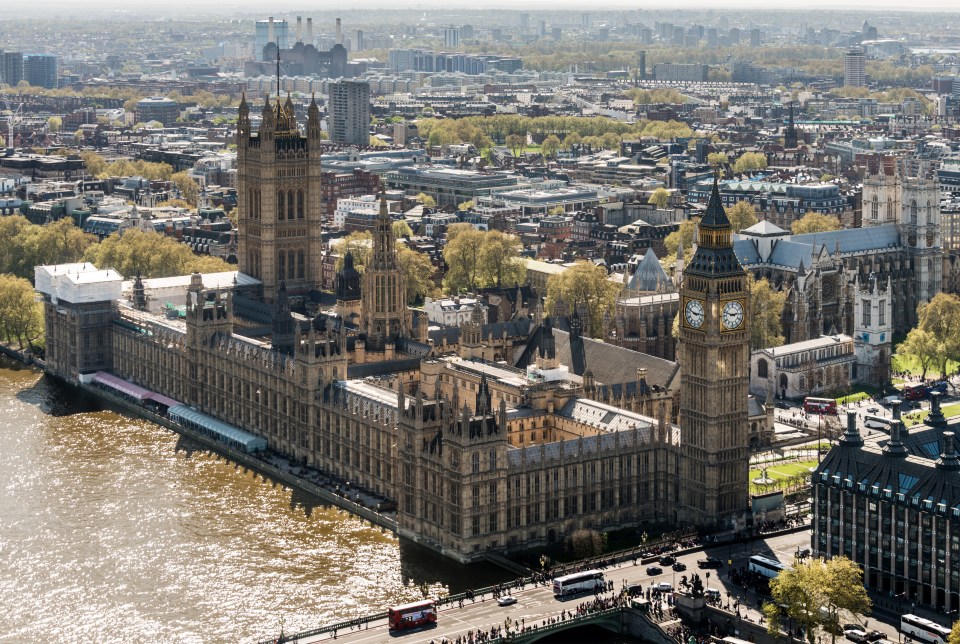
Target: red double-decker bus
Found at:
x=915, y=392
x=412, y=615
x=813, y=405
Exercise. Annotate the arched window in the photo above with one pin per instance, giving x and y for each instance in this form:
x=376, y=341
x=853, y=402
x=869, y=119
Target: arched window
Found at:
x=762, y=368
x=291, y=265
x=874, y=208
x=281, y=264
x=475, y=462
x=929, y=213
x=300, y=264
x=913, y=211
x=889, y=216
x=784, y=381
x=281, y=200
x=300, y=204
x=291, y=205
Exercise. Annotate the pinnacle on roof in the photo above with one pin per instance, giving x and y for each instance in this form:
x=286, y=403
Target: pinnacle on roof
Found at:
x=716, y=216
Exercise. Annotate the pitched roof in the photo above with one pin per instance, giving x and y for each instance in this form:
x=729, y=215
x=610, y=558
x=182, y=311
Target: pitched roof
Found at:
x=764, y=229
x=649, y=275
x=613, y=365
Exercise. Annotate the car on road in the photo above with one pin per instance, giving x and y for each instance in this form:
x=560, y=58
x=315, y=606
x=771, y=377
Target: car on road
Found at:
x=507, y=600
x=664, y=587
x=709, y=562
x=666, y=560
x=781, y=405
x=635, y=590
x=856, y=635
x=679, y=566
x=654, y=570
x=873, y=636
x=873, y=410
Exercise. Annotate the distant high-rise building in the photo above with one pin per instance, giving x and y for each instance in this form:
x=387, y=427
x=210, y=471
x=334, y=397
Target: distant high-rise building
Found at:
x=754, y=37
x=270, y=30
x=711, y=37
x=854, y=68
x=358, y=41
x=349, y=121
x=642, y=64
x=524, y=21
x=12, y=67
x=734, y=36
x=40, y=70
x=451, y=37
x=542, y=31
x=585, y=21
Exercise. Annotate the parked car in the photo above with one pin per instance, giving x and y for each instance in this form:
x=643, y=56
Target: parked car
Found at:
x=666, y=560
x=635, y=590
x=873, y=636
x=856, y=635
x=507, y=600
x=664, y=587
x=709, y=562
x=873, y=410
x=654, y=570
x=679, y=566
x=781, y=405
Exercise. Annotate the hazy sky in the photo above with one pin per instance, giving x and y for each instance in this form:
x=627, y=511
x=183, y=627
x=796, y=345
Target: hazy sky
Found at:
x=276, y=6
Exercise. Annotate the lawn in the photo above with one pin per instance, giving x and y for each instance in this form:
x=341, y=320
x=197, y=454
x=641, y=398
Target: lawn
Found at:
x=780, y=474
x=917, y=417
x=907, y=362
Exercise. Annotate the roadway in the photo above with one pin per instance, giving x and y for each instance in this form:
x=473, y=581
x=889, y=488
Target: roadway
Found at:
x=537, y=603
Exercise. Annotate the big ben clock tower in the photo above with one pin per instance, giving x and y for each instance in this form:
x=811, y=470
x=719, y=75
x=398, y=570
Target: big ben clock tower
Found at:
x=714, y=356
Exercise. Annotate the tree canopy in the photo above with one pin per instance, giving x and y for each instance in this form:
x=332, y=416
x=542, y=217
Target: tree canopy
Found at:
x=814, y=222
x=766, y=310
x=187, y=187
x=24, y=245
x=741, y=215
x=940, y=318
x=151, y=254
x=749, y=161
x=416, y=266
x=659, y=198
x=954, y=637
x=684, y=233
x=816, y=595
x=476, y=259
x=21, y=315
x=583, y=284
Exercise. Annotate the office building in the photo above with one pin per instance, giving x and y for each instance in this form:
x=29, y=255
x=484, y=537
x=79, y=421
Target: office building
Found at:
x=40, y=70
x=349, y=108
x=855, y=68
x=158, y=108
x=12, y=67
x=451, y=37
x=681, y=72
x=890, y=501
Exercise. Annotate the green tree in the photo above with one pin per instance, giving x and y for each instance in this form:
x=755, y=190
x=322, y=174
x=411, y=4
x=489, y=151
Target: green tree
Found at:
x=54, y=123
x=717, y=159
x=749, y=161
x=923, y=346
x=21, y=315
x=584, y=284
x=418, y=271
x=571, y=140
x=426, y=200
x=187, y=187
x=500, y=263
x=816, y=595
x=766, y=309
x=814, y=222
x=954, y=637
x=462, y=255
x=741, y=215
x=358, y=244
x=684, y=233
x=402, y=229
x=93, y=162
x=659, y=198
x=516, y=143
x=550, y=146
x=466, y=205
x=940, y=317
x=150, y=254
x=557, y=210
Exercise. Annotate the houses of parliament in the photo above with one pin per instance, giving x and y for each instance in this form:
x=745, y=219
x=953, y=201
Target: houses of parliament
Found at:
x=491, y=440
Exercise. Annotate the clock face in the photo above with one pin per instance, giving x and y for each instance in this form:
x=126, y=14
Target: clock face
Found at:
x=693, y=312
x=732, y=315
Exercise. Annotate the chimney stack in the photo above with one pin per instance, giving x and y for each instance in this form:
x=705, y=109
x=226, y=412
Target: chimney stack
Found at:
x=299, y=29
x=310, y=40
x=270, y=37
x=339, y=33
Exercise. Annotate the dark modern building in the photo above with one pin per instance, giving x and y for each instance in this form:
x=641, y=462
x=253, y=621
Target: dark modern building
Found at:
x=12, y=67
x=40, y=70
x=158, y=108
x=890, y=501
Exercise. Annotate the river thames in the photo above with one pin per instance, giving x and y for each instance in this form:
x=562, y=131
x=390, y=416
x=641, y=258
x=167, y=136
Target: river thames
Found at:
x=115, y=529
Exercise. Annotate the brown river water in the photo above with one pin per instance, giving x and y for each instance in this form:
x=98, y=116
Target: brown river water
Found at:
x=114, y=529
